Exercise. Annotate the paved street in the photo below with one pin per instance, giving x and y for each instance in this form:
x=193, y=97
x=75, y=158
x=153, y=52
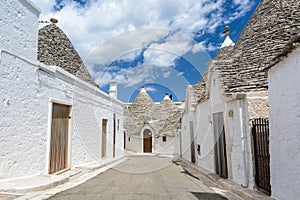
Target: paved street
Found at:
x=147, y=177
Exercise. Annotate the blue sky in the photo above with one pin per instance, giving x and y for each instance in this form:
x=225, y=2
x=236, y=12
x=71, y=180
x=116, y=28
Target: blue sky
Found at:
x=160, y=44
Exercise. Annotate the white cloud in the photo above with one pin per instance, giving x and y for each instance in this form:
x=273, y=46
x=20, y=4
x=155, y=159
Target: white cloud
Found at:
x=150, y=89
x=125, y=45
x=198, y=47
x=167, y=74
x=91, y=25
x=108, y=30
x=180, y=74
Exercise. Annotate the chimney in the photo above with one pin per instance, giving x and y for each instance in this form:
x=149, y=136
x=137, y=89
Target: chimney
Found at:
x=113, y=89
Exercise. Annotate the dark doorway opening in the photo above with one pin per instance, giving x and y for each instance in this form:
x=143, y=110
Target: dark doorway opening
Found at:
x=260, y=133
x=220, y=145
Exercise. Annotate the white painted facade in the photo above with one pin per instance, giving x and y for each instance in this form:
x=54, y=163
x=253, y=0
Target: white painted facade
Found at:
x=29, y=88
x=253, y=104
x=19, y=27
x=135, y=143
x=284, y=93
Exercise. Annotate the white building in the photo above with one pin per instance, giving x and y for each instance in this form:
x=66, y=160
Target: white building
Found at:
x=225, y=123
x=284, y=99
x=53, y=117
x=152, y=127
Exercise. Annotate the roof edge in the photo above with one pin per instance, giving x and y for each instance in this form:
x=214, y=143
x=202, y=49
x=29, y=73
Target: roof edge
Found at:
x=293, y=44
x=32, y=5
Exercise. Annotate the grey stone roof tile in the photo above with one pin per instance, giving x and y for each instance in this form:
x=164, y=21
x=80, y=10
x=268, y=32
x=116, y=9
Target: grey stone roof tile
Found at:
x=272, y=32
x=199, y=89
x=163, y=117
x=54, y=48
x=268, y=34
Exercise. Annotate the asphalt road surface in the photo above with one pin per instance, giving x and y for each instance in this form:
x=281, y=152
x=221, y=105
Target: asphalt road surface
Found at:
x=147, y=177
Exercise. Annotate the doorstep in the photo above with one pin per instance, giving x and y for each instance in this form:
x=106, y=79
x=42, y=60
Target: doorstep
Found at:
x=244, y=193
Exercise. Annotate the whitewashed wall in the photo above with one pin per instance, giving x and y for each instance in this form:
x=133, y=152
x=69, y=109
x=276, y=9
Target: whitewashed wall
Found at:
x=135, y=144
x=253, y=105
x=188, y=116
x=234, y=142
x=284, y=99
x=205, y=136
x=19, y=27
x=27, y=90
x=216, y=97
x=170, y=146
x=25, y=93
x=185, y=137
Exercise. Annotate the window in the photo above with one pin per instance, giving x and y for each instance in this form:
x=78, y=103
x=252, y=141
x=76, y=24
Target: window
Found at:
x=164, y=138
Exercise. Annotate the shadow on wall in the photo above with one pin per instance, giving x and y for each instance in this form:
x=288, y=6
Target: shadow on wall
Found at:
x=208, y=196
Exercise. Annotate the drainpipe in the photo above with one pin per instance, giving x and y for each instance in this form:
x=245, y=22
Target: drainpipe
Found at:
x=244, y=145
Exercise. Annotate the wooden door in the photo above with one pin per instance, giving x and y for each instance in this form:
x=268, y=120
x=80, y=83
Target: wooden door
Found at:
x=220, y=145
x=104, y=137
x=59, y=138
x=147, y=141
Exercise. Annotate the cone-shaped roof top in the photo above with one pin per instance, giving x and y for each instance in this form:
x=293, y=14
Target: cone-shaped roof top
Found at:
x=143, y=97
x=268, y=34
x=227, y=42
x=55, y=48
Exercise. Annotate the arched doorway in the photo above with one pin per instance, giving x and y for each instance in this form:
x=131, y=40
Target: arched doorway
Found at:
x=147, y=141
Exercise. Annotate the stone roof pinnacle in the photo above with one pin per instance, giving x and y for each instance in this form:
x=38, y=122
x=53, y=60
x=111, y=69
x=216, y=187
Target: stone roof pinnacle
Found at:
x=227, y=42
x=143, y=90
x=167, y=97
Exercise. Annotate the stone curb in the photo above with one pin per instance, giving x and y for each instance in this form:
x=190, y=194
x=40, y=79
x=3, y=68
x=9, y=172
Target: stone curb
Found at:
x=244, y=193
x=45, y=182
x=23, y=186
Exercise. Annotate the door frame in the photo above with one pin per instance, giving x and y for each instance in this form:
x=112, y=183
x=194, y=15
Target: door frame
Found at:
x=50, y=110
x=147, y=126
x=104, y=143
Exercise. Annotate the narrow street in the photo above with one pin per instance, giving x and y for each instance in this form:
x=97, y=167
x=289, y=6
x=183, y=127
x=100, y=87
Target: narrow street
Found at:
x=147, y=177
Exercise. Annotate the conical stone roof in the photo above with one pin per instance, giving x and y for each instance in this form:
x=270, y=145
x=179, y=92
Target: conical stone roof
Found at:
x=55, y=48
x=267, y=35
x=163, y=117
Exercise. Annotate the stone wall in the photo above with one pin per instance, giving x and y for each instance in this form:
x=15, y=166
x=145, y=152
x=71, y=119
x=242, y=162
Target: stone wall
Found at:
x=54, y=48
x=258, y=105
x=163, y=118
